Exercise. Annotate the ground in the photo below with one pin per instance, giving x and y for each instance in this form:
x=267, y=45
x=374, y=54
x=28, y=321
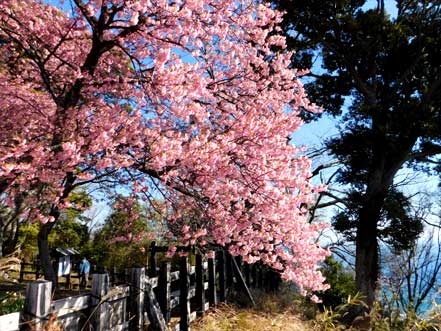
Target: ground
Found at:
x=230, y=318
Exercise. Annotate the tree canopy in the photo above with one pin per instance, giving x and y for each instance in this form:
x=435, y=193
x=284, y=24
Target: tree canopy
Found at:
x=183, y=99
x=387, y=68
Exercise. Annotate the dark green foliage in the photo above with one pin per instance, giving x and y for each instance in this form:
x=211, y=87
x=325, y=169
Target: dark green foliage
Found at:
x=136, y=224
x=11, y=302
x=71, y=230
x=396, y=225
x=341, y=281
x=388, y=71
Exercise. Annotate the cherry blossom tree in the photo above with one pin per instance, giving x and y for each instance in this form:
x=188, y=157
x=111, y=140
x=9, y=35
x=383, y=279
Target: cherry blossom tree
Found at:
x=181, y=99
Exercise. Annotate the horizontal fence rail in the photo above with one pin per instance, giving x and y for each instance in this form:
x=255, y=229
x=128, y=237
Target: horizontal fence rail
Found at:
x=158, y=297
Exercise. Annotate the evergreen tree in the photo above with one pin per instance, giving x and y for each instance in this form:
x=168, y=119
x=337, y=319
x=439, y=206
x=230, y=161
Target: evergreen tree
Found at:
x=388, y=67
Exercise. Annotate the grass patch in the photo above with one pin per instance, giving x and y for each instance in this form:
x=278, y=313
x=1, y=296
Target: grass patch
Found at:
x=231, y=318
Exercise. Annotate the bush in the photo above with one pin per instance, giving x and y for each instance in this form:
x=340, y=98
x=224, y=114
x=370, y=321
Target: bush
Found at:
x=11, y=302
x=341, y=281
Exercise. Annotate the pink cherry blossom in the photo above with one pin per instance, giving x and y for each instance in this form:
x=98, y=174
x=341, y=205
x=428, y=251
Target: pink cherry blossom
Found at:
x=184, y=98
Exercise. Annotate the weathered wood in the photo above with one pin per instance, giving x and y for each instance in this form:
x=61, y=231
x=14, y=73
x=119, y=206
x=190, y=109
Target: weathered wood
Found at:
x=238, y=262
x=246, y=269
x=153, y=281
x=67, y=285
x=174, y=299
x=212, y=297
x=154, y=313
x=200, y=289
x=174, y=276
x=37, y=307
x=184, y=302
x=137, y=285
x=100, y=289
x=164, y=290
x=10, y=322
x=240, y=281
x=72, y=304
x=153, y=272
x=222, y=280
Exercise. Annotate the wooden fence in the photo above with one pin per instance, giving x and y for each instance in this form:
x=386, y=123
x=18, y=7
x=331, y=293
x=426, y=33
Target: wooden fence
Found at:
x=162, y=298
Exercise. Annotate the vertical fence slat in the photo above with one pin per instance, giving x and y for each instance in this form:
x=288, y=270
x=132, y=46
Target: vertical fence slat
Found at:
x=68, y=281
x=200, y=290
x=164, y=290
x=37, y=305
x=221, y=270
x=137, y=286
x=100, y=287
x=212, y=298
x=184, y=302
x=153, y=271
x=157, y=321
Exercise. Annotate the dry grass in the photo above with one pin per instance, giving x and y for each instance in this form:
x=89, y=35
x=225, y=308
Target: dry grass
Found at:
x=229, y=318
x=273, y=312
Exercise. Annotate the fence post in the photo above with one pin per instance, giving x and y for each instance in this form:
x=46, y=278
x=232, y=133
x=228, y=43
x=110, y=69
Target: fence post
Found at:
x=137, y=285
x=152, y=260
x=184, y=302
x=164, y=290
x=37, y=305
x=100, y=288
x=200, y=282
x=67, y=285
x=221, y=267
x=212, y=298
x=113, y=275
x=22, y=266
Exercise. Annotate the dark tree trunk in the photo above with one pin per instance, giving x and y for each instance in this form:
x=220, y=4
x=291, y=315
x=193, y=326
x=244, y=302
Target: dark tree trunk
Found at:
x=45, y=229
x=11, y=244
x=366, y=261
x=44, y=253
x=1, y=239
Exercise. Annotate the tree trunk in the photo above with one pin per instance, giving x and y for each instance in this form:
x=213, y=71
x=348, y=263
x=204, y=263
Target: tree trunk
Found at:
x=366, y=260
x=11, y=244
x=44, y=253
x=1, y=239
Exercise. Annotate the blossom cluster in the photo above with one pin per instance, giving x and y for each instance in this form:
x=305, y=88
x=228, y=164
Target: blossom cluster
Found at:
x=183, y=99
